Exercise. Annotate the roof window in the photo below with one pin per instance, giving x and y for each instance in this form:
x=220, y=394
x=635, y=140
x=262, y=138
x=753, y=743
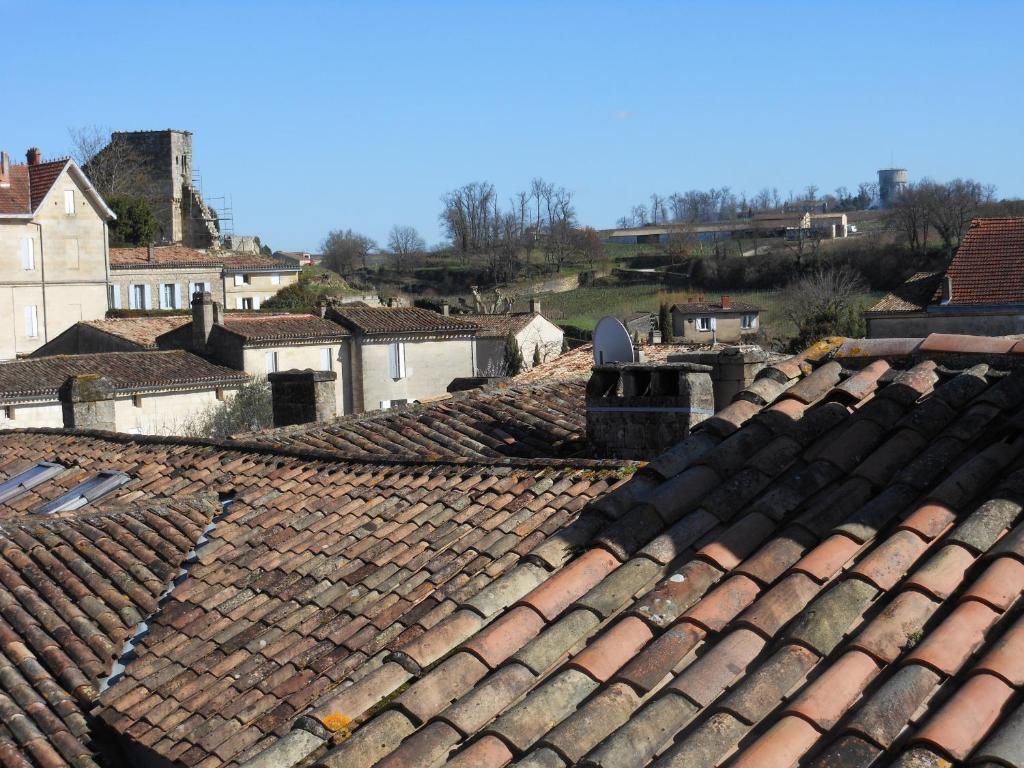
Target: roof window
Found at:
x=15, y=486
x=94, y=488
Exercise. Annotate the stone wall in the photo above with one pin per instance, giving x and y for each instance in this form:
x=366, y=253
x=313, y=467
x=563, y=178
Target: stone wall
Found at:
x=732, y=368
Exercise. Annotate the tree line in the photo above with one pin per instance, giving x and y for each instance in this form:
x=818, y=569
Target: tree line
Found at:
x=942, y=208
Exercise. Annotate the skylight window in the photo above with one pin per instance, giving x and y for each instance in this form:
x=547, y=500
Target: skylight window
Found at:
x=94, y=488
x=13, y=487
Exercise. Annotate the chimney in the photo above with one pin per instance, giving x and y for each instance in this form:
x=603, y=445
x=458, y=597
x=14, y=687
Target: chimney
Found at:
x=5, y=170
x=445, y=308
x=203, y=318
x=87, y=402
x=534, y=306
x=149, y=253
x=638, y=410
x=322, y=307
x=33, y=156
x=947, y=289
x=733, y=369
x=300, y=397
x=726, y=302
x=654, y=336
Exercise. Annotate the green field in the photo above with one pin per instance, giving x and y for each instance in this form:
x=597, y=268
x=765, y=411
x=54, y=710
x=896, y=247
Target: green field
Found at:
x=583, y=307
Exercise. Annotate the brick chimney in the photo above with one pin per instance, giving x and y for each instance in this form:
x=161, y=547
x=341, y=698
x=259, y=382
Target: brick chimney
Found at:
x=5, y=170
x=534, y=306
x=300, y=397
x=150, y=255
x=33, y=156
x=203, y=318
x=638, y=410
x=87, y=402
x=726, y=302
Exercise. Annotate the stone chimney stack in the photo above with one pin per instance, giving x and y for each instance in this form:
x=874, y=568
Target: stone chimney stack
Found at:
x=445, y=308
x=33, y=156
x=87, y=402
x=203, y=319
x=300, y=397
x=322, y=307
x=534, y=306
x=150, y=256
x=638, y=410
x=726, y=302
x=947, y=289
x=5, y=170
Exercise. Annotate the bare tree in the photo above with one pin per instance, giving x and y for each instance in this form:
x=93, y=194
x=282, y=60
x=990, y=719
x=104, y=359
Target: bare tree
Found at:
x=405, y=244
x=911, y=215
x=953, y=205
x=111, y=164
x=825, y=303
x=344, y=251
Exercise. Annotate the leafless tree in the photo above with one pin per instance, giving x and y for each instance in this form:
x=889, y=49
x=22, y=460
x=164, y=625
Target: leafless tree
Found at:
x=111, y=164
x=825, y=303
x=405, y=245
x=658, y=213
x=911, y=214
x=811, y=192
x=344, y=251
x=953, y=205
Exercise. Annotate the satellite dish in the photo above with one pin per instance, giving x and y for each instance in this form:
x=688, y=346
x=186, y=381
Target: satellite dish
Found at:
x=612, y=343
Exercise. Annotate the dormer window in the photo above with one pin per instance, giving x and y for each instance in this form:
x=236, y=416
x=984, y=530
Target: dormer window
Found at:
x=96, y=487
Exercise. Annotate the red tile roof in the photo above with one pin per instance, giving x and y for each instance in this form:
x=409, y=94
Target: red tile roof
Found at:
x=281, y=327
x=913, y=295
x=499, y=325
x=384, y=320
x=182, y=256
x=530, y=421
x=142, y=331
x=828, y=572
x=988, y=267
x=41, y=377
x=29, y=184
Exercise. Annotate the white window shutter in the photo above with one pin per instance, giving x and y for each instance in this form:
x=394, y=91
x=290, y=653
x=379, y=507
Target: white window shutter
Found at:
x=393, y=361
x=385, y=404
x=177, y=295
x=401, y=360
x=239, y=280
x=132, y=303
x=31, y=321
x=238, y=302
x=326, y=359
x=255, y=302
x=147, y=296
x=28, y=253
x=69, y=201
x=275, y=279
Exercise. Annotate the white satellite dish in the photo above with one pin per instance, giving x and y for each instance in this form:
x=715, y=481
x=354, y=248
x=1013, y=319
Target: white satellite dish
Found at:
x=612, y=343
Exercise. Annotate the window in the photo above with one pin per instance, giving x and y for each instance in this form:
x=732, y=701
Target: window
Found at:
x=703, y=323
x=275, y=279
x=271, y=362
x=95, y=487
x=31, y=321
x=386, y=404
x=246, y=303
x=748, y=321
x=138, y=297
x=326, y=359
x=396, y=360
x=14, y=486
x=114, y=296
x=9, y=412
x=170, y=296
x=69, y=201
x=194, y=288
x=242, y=279
x=137, y=401
x=28, y=253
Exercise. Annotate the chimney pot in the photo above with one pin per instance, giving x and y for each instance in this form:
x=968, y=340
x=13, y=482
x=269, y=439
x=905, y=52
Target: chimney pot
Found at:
x=445, y=308
x=33, y=156
x=203, y=319
x=726, y=302
x=534, y=306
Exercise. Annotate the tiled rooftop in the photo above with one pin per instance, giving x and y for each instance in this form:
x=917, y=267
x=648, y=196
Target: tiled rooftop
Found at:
x=142, y=331
x=43, y=376
x=183, y=256
x=501, y=324
x=913, y=295
x=281, y=327
x=547, y=419
x=29, y=184
x=384, y=320
x=576, y=363
x=825, y=573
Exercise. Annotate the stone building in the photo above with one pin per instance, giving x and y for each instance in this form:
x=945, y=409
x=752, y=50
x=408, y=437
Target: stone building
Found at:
x=531, y=330
x=53, y=251
x=141, y=392
x=162, y=175
x=980, y=293
x=166, y=277
x=697, y=321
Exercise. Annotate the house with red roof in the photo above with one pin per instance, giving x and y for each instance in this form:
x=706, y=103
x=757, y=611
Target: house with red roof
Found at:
x=53, y=239
x=981, y=292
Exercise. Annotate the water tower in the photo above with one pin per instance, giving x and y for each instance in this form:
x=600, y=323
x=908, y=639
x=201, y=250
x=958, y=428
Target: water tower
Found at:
x=892, y=182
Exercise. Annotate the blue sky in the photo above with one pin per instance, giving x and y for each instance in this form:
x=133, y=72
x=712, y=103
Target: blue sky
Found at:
x=322, y=115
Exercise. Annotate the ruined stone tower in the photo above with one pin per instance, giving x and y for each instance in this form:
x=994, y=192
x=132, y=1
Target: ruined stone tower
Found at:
x=164, y=178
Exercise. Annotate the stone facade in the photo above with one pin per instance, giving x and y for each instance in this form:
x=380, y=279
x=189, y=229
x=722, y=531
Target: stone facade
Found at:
x=250, y=288
x=637, y=410
x=431, y=363
x=162, y=287
x=53, y=270
x=164, y=179
x=538, y=333
x=732, y=326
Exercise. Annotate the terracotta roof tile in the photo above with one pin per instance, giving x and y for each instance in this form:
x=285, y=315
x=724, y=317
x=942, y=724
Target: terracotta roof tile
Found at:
x=397, y=320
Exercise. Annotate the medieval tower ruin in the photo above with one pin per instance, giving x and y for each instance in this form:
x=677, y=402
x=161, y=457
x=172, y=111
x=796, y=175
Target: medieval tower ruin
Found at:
x=163, y=177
